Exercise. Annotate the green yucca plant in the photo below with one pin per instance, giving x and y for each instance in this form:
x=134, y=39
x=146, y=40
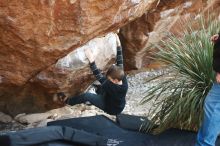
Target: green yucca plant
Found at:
x=179, y=93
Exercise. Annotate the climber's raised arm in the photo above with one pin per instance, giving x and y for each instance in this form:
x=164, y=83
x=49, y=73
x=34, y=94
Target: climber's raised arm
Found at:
x=119, y=57
x=93, y=66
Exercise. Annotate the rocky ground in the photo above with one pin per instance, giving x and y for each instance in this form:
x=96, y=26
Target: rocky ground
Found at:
x=137, y=90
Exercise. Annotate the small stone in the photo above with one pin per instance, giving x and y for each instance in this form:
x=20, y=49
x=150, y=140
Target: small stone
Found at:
x=5, y=118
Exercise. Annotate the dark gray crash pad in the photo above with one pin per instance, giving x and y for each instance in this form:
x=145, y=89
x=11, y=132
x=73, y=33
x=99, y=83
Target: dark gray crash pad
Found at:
x=101, y=125
x=101, y=131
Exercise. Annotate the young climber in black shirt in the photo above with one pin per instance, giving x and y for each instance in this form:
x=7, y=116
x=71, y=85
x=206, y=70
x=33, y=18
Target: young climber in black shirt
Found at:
x=114, y=86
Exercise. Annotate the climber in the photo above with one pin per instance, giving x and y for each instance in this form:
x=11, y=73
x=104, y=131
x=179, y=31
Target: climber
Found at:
x=114, y=86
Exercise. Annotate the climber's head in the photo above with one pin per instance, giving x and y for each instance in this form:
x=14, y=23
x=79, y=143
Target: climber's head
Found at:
x=115, y=74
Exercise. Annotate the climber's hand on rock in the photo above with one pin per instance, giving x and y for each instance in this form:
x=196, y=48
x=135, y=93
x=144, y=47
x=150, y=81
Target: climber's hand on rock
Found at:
x=118, y=41
x=117, y=31
x=89, y=55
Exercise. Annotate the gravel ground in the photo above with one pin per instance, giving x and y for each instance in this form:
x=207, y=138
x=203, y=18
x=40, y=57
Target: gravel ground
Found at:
x=137, y=90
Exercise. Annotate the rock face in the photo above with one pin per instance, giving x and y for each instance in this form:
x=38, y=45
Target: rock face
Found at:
x=168, y=16
x=34, y=34
x=71, y=74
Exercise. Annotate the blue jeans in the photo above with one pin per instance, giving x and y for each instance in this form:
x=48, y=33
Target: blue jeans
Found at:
x=210, y=128
x=97, y=100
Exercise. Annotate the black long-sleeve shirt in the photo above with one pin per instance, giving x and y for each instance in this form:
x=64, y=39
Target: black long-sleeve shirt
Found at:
x=216, y=56
x=114, y=93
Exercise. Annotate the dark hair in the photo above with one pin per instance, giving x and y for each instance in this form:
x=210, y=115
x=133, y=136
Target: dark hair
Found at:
x=115, y=72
